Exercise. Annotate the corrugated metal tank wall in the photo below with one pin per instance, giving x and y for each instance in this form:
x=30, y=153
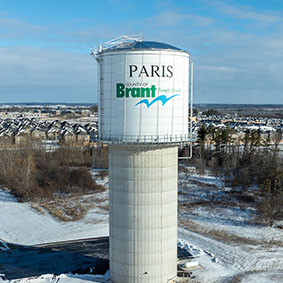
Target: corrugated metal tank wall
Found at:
x=143, y=213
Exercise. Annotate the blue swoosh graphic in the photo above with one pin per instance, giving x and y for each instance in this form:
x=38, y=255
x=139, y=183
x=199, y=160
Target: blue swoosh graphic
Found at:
x=162, y=98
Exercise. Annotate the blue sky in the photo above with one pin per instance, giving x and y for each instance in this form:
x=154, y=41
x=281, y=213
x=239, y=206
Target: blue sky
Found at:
x=236, y=45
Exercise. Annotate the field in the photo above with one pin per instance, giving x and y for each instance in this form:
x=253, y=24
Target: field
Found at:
x=220, y=229
x=226, y=227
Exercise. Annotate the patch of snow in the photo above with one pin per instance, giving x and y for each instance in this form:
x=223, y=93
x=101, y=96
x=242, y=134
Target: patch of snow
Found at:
x=211, y=271
x=227, y=189
x=107, y=275
x=20, y=224
x=95, y=175
x=191, y=264
x=6, y=197
x=206, y=179
x=235, y=221
x=263, y=277
x=192, y=249
x=4, y=246
x=63, y=278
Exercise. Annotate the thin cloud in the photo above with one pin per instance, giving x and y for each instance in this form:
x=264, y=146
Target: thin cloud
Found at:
x=232, y=65
x=246, y=13
x=175, y=18
x=15, y=29
x=46, y=75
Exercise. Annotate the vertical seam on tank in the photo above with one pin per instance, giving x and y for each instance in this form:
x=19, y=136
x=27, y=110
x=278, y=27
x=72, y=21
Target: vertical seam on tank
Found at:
x=183, y=96
x=162, y=189
x=140, y=122
x=111, y=88
x=100, y=94
x=172, y=121
x=158, y=105
x=125, y=102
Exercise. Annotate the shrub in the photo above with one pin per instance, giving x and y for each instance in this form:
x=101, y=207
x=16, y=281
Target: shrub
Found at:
x=33, y=174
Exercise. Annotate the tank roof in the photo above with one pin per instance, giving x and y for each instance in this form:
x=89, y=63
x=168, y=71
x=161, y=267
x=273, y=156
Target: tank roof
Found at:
x=141, y=45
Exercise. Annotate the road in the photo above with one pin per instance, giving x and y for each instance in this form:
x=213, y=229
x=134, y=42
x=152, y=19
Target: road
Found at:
x=77, y=256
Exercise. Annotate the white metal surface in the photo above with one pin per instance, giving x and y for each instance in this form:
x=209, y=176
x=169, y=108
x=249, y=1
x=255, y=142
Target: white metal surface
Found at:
x=143, y=214
x=147, y=74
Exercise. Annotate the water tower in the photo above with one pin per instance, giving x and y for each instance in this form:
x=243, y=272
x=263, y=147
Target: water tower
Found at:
x=143, y=116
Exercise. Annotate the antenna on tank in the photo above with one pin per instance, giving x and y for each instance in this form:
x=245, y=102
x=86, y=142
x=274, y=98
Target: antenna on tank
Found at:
x=141, y=36
x=93, y=50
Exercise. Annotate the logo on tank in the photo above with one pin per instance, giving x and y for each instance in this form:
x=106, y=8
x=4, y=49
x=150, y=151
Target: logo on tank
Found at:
x=139, y=92
x=143, y=90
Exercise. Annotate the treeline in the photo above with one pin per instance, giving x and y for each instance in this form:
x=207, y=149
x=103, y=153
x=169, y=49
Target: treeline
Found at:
x=244, y=110
x=33, y=174
x=243, y=166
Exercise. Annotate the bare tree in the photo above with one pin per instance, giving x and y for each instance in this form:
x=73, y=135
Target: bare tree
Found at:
x=270, y=206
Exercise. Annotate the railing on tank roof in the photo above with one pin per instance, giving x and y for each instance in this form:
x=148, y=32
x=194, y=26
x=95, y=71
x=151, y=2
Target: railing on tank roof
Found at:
x=116, y=42
x=122, y=39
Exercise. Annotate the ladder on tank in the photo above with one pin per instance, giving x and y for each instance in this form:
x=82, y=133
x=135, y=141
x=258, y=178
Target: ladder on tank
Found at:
x=191, y=82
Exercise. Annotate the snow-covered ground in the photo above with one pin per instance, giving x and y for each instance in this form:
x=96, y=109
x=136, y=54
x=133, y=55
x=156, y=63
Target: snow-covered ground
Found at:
x=21, y=224
x=63, y=278
x=227, y=243
x=245, y=251
x=95, y=174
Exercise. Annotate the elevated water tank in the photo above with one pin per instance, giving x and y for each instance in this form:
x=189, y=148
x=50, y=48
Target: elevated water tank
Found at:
x=143, y=115
x=143, y=94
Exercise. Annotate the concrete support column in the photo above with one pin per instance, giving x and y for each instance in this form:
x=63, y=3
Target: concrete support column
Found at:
x=143, y=213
